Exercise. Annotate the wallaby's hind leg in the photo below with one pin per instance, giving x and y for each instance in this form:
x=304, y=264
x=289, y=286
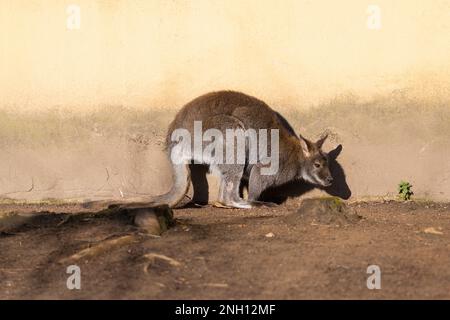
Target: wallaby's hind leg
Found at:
x=257, y=183
x=230, y=179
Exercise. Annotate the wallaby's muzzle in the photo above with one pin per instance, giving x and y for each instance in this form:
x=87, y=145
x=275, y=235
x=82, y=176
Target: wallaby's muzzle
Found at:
x=329, y=181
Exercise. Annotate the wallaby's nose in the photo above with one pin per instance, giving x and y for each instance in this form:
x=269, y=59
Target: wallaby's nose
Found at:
x=330, y=179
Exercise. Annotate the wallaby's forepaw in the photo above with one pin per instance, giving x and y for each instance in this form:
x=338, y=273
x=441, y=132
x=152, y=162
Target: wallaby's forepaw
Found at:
x=263, y=204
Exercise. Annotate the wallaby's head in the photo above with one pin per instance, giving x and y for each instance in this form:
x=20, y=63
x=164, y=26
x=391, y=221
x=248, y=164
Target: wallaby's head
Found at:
x=315, y=168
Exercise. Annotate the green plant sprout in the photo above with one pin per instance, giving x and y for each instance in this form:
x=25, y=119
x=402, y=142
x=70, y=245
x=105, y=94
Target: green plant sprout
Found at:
x=405, y=190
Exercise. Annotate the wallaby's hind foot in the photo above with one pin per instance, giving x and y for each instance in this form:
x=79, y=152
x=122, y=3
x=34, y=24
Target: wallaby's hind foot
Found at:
x=230, y=179
x=233, y=205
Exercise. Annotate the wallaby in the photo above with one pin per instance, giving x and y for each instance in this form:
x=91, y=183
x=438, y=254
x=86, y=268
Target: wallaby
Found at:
x=298, y=158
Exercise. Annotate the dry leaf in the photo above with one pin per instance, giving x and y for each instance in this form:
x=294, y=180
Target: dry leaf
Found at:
x=432, y=230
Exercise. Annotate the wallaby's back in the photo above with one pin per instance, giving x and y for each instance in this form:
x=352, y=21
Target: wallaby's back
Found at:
x=251, y=112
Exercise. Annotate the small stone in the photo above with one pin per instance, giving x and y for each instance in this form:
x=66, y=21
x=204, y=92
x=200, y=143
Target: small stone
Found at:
x=270, y=235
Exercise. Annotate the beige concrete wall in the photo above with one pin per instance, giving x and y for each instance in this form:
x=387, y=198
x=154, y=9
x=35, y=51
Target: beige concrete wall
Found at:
x=83, y=110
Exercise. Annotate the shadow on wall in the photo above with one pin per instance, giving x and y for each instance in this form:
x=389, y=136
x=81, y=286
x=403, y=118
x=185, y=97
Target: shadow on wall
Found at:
x=279, y=194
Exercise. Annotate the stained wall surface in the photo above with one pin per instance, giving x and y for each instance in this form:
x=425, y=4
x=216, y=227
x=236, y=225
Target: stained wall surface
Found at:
x=88, y=87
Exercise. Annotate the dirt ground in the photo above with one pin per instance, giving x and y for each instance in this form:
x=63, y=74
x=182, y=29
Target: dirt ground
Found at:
x=216, y=253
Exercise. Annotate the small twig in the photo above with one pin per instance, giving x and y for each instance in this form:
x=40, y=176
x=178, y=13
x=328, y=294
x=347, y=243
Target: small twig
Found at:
x=101, y=247
x=154, y=256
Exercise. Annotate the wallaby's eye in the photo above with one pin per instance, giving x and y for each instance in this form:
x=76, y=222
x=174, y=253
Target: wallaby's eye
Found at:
x=317, y=164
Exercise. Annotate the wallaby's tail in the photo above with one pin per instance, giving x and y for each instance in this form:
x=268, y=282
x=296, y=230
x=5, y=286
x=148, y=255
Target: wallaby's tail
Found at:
x=181, y=182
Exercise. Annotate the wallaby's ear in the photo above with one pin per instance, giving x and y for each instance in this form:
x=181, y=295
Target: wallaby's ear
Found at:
x=307, y=146
x=319, y=143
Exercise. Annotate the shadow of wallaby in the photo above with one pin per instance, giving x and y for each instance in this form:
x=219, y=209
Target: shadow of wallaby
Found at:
x=339, y=188
x=199, y=183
